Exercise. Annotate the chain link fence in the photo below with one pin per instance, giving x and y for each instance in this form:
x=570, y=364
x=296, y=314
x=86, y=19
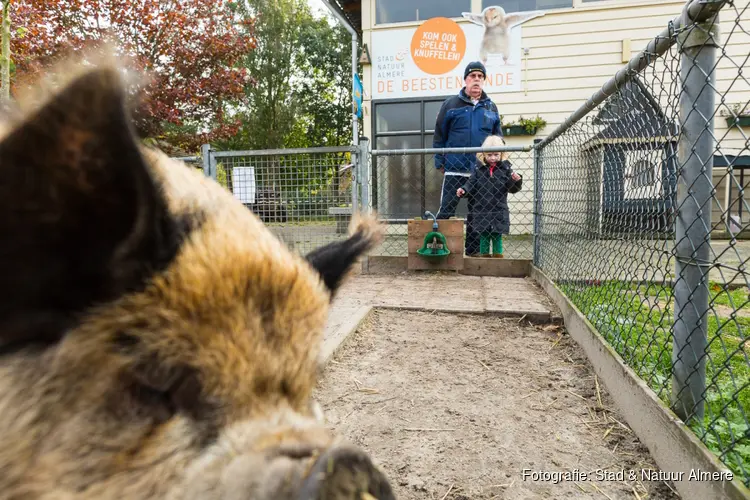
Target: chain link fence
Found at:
x=496, y=202
x=304, y=196
x=643, y=223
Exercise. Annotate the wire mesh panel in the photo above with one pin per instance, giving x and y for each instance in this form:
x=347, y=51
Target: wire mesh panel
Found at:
x=490, y=188
x=643, y=223
x=304, y=196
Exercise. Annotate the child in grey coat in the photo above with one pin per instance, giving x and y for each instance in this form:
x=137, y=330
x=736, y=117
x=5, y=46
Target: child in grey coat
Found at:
x=493, y=178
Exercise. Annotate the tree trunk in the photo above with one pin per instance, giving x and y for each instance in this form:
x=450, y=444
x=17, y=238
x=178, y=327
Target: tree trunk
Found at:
x=5, y=57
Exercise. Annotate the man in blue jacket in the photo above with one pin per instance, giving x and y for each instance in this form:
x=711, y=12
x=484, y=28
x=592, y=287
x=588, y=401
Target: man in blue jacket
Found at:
x=464, y=121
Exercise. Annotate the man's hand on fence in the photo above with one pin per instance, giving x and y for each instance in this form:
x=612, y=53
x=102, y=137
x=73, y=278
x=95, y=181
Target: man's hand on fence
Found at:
x=442, y=170
x=460, y=192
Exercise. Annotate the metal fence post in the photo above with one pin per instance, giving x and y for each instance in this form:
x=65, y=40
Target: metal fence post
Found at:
x=364, y=179
x=537, y=199
x=697, y=46
x=363, y=183
x=206, y=158
x=214, y=170
x=355, y=173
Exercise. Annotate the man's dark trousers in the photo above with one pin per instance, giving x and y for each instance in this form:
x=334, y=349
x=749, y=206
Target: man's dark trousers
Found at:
x=448, y=198
x=448, y=204
x=471, y=242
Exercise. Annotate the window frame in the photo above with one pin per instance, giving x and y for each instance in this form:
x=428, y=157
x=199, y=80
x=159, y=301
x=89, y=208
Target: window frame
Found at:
x=422, y=133
x=577, y=5
x=375, y=22
x=574, y=4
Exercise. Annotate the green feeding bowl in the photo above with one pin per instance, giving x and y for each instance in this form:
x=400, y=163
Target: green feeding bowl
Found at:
x=435, y=246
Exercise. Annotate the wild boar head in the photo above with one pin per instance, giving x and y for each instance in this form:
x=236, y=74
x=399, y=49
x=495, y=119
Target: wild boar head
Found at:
x=156, y=340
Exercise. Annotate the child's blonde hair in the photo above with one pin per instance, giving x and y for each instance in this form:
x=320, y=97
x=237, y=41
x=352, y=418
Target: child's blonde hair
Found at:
x=492, y=141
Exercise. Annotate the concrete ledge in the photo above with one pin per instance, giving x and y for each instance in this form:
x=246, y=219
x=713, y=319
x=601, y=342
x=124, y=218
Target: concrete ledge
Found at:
x=537, y=317
x=341, y=331
x=506, y=268
x=672, y=444
x=473, y=266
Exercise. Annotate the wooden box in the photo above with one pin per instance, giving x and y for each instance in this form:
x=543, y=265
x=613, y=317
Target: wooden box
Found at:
x=452, y=229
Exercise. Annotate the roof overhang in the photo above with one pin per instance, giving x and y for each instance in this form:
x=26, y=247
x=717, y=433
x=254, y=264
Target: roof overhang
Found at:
x=349, y=10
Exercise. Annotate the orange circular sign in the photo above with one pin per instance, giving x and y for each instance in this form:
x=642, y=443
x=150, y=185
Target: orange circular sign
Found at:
x=438, y=45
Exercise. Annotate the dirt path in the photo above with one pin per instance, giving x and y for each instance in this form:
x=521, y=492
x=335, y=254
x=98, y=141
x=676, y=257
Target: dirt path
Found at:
x=456, y=406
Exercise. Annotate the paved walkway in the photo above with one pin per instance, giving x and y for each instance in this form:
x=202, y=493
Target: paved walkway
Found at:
x=439, y=292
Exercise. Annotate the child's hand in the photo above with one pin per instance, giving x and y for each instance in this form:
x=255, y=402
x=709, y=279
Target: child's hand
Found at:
x=515, y=176
x=460, y=192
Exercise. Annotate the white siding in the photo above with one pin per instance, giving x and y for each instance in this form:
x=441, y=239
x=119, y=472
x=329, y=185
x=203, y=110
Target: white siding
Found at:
x=573, y=52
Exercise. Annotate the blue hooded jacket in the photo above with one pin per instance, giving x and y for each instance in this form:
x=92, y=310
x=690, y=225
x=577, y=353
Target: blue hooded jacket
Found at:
x=462, y=124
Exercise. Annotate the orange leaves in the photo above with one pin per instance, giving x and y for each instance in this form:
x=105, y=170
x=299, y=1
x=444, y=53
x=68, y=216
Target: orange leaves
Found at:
x=190, y=46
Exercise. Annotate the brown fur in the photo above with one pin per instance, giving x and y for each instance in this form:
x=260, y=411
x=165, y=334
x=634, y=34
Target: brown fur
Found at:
x=195, y=383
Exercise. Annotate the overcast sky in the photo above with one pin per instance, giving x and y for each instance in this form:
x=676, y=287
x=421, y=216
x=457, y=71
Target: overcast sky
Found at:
x=317, y=4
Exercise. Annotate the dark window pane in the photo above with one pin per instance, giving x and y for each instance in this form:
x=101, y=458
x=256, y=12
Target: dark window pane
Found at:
x=431, y=110
x=399, y=11
x=397, y=117
x=399, y=178
x=527, y=5
x=399, y=142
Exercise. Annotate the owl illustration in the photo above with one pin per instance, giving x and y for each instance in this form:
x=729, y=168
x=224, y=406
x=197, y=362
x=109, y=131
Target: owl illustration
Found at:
x=497, y=25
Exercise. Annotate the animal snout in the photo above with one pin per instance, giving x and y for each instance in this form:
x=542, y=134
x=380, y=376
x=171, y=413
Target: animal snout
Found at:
x=345, y=472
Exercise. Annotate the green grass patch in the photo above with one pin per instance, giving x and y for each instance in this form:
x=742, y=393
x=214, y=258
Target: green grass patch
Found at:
x=637, y=321
x=736, y=299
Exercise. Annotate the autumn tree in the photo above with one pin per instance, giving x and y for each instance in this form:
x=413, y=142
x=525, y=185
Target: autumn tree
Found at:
x=188, y=48
x=269, y=111
x=324, y=94
x=302, y=68
x=5, y=52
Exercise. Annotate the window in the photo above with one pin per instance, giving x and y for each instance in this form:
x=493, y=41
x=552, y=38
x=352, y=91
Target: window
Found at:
x=400, y=11
x=737, y=191
x=405, y=186
x=643, y=168
x=401, y=117
x=643, y=173
x=527, y=5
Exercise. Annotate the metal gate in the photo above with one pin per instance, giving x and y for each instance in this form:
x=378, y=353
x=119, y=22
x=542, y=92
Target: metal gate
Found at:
x=305, y=196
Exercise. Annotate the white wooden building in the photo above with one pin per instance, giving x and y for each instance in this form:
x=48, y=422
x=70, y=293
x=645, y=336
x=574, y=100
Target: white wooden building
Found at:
x=557, y=60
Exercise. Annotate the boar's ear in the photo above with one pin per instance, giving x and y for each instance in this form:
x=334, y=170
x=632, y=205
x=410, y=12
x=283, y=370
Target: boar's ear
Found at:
x=82, y=221
x=335, y=260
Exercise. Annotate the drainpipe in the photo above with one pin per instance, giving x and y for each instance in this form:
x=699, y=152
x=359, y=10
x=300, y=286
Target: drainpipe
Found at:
x=355, y=122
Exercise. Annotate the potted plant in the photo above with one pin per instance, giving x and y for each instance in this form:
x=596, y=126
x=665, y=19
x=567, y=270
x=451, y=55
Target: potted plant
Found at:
x=525, y=126
x=739, y=115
